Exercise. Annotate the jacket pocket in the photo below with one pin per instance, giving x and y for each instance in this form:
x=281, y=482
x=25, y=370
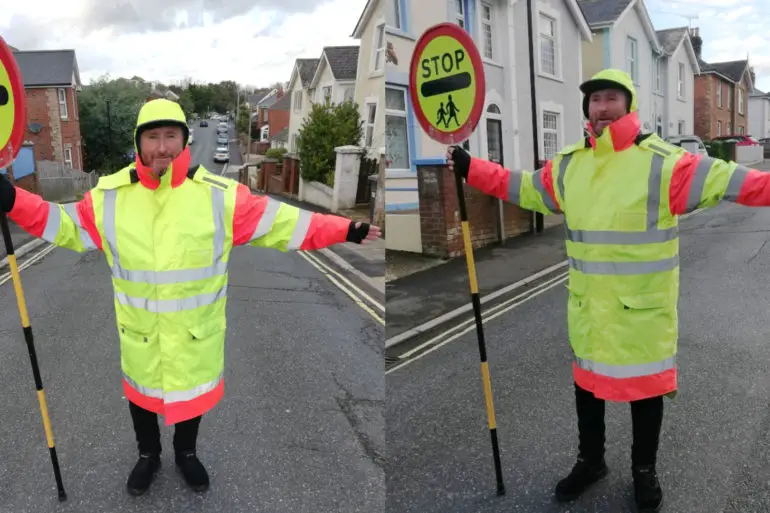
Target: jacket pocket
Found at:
x=140, y=354
x=206, y=348
x=648, y=301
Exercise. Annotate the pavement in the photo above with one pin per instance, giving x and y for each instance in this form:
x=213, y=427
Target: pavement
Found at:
x=715, y=446
x=300, y=429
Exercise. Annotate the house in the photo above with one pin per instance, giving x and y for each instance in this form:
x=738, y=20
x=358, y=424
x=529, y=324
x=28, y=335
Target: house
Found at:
x=624, y=38
x=499, y=29
x=370, y=75
x=673, y=81
x=301, y=96
x=335, y=77
x=759, y=114
x=278, y=121
x=261, y=109
x=51, y=82
x=721, y=95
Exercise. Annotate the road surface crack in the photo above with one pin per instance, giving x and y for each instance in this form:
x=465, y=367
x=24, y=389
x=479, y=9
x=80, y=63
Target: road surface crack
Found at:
x=757, y=252
x=347, y=405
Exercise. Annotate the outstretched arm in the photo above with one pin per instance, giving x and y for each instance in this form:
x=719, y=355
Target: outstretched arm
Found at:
x=265, y=222
x=71, y=226
x=531, y=191
x=699, y=181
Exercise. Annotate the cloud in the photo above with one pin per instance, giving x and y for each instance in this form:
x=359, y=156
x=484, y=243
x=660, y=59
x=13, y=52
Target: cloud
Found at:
x=250, y=41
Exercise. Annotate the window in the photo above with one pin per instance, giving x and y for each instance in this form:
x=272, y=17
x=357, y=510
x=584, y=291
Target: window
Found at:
x=379, y=47
x=729, y=128
x=327, y=93
x=719, y=94
x=681, y=127
x=494, y=134
x=486, y=29
x=659, y=126
x=264, y=116
x=460, y=13
x=657, y=75
x=68, y=155
x=293, y=143
x=396, y=128
x=740, y=130
x=63, y=104
x=297, y=100
x=75, y=103
x=729, y=98
x=349, y=93
x=394, y=14
x=371, y=116
x=632, y=59
x=550, y=134
x=680, y=82
x=719, y=128
x=740, y=101
x=547, y=29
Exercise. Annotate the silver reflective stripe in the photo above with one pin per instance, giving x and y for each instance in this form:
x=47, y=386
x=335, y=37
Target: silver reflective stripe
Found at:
x=171, y=305
x=736, y=182
x=514, y=186
x=176, y=396
x=664, y=151
x=265, y=223
x=300, y=230
x=52, y=223
x=108, y=221
x=193, y=393
x=155, y=393
x=85, y=239
x=698, y=183
x=563, y=171
x=610, y=237
x=651, y=235
x=624, y=268
x=218, y=268
x=537, y=182
x=627, y=371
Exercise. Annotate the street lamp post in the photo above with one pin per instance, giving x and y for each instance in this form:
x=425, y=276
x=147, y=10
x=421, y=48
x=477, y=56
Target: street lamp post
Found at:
x=536, y=219
x=109, y=134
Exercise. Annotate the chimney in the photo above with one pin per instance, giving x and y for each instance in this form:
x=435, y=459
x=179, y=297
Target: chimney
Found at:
x=753, y=76
x=697, y=42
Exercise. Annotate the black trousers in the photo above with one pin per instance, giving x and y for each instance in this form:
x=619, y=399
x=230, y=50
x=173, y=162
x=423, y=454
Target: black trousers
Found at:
x=148, y=432
x=646, y=418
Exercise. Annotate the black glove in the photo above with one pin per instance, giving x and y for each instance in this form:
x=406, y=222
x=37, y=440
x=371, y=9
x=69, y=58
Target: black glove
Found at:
x=462, y=161
x=357, y=234
x=7, y=194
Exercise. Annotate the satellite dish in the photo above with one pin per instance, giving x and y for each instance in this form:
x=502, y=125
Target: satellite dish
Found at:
x=35, y=127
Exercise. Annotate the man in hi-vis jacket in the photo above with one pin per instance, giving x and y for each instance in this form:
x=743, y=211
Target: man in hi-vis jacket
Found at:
x=621, y=193
x=167, y=229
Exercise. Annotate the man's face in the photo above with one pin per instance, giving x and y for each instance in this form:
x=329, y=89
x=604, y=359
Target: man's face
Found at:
x=160, y=146
x=606, y=106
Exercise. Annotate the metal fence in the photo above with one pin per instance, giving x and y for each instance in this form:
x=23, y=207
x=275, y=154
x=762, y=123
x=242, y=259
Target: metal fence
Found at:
x=57, y=182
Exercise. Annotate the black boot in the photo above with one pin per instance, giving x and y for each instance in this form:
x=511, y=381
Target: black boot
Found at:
x=647, y=492
x=583, y=475
x=143, y=474
x=192, y=470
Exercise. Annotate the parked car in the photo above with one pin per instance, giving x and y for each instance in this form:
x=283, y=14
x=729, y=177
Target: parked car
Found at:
x=222, y=140
x=190, y=138
x=691, y=143
x=204, y=122
x=222, y=154
x=765, y=142
x=739, y=140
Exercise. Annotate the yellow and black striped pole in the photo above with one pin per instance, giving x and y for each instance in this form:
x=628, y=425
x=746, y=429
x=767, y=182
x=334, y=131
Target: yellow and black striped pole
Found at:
x=480, y=332
x=31, y=349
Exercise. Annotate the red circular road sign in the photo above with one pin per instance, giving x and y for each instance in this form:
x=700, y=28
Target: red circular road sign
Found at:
x=13, y=111
x=446, y=83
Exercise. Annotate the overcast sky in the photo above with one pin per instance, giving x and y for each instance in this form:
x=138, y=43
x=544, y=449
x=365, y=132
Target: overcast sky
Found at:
x=250, y=41
x=256, y=41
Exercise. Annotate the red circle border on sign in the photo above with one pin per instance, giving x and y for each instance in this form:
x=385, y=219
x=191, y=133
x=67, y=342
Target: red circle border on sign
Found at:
x=11, y=149
x=463, y=132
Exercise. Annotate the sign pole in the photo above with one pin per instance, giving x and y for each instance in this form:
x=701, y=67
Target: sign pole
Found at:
x=446, y=83
x=12, y=126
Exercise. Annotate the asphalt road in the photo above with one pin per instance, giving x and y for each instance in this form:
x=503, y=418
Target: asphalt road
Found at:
x=715, y=449
x=300, y=428
x=205, y=143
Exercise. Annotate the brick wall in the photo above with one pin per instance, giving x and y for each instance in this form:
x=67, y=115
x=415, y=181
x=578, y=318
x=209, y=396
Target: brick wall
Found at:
x=279, y=120
x=704, y=99
x=43, y=108
x=440, y=214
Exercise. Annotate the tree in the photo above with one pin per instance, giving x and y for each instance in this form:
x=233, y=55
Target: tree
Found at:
x=329, y=125
x=108, y=142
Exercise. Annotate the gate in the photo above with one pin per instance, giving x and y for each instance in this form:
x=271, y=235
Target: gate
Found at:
x=368, y=167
